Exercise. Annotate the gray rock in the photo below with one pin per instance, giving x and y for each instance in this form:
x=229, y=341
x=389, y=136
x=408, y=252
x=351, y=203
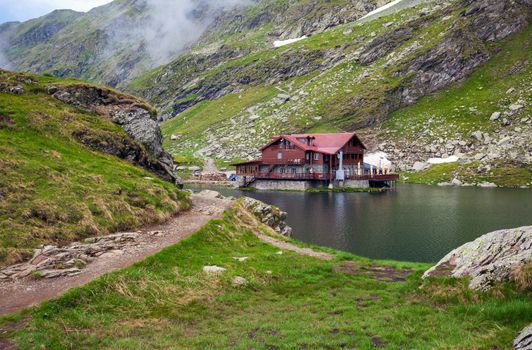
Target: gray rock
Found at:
x=17, y=90
x=456, y=182
x=269, y=215
x=515, y=107
x=489, y=259
x=214, y=270
x=239, y=281
x=241, y=259
x=495, y=116
x=477, y=135
x=283, y=97
x=51, y=89
x=479, y=156
x=524, y=339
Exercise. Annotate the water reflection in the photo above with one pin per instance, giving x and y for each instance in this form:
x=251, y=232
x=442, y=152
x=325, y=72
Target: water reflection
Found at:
x=413, y=223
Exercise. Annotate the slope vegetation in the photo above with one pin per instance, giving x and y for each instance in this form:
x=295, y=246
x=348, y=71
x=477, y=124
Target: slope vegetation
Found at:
x=61, y=173
x=354, y=76
x=278, y=301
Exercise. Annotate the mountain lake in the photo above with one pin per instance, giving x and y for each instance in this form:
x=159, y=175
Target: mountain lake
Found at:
x=417, y=223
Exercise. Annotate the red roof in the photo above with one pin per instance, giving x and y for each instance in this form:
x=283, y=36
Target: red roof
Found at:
x=321, y=143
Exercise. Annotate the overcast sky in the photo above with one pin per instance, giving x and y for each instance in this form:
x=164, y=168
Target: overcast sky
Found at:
x=21, y=10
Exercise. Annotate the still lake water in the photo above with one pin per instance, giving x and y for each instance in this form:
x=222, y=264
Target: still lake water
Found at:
x=413, y=223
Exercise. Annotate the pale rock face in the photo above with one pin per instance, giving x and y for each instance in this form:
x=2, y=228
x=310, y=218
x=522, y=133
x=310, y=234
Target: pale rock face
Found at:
x=524, y=339
x=489, y=259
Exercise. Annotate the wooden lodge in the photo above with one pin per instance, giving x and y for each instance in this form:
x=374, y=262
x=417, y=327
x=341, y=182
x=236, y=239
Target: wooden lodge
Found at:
x=300, y=161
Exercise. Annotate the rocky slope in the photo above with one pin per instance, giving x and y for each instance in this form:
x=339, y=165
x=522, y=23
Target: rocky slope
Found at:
x=133, y=115
x=110, y=44
x=114, y=43
x=364, y=76
x=72, y=164
x=423, y=79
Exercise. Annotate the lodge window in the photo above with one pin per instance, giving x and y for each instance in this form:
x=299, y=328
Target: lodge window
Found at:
x=279, y=155
x=307, y=156
x=316, y=156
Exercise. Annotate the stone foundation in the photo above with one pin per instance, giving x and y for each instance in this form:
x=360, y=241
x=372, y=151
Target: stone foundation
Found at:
x=352, y=183
x=286, y=185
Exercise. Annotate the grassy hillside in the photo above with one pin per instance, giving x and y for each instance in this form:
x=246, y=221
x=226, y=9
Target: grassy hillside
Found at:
x=290, y=302
x=338, y=89
x=465, y=108
x=55, y=190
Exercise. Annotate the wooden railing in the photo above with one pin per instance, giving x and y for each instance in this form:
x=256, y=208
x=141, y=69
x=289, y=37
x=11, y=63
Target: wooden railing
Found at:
x=292, y=176
x=320, y=176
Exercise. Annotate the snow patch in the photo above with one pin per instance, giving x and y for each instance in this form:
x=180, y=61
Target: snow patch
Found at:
x=382, y=8
x=377, y=159
x=451, y=159
x=279, y=43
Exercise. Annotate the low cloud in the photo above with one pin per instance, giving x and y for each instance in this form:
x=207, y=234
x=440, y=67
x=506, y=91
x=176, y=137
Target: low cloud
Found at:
x=174, y=25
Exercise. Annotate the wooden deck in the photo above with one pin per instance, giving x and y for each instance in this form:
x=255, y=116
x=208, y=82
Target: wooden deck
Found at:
x=319, y=176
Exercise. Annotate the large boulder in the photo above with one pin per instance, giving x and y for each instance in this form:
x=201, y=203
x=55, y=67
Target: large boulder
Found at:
x=489, y=259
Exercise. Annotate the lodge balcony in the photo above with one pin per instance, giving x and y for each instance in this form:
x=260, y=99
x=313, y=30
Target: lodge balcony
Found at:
x=319, y=176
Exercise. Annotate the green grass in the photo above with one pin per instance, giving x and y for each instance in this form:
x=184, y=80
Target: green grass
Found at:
x=434, y=175
x=502, y=174
x=291, y=302
x=54, y=190
x=485, y=91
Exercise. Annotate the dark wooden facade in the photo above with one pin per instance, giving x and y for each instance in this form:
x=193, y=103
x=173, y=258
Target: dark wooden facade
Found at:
x=310, y=157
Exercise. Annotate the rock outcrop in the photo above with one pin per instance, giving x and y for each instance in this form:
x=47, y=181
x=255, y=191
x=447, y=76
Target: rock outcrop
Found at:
x=52, y=261
x=489, y=259
x=269, y=215
x=524, y=339
x=136, y=117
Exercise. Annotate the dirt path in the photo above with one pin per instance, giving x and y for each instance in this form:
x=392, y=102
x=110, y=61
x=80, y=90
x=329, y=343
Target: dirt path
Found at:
x=294, y=248
x=19, y=294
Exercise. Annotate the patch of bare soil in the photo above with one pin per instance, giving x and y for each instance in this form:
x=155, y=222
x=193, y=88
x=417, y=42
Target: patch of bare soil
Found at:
x=6, y=121
x=18, y=294
x=7, y=328
x=379, y=272
x=443, y=270
x=362, y=300
x=377, y=341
